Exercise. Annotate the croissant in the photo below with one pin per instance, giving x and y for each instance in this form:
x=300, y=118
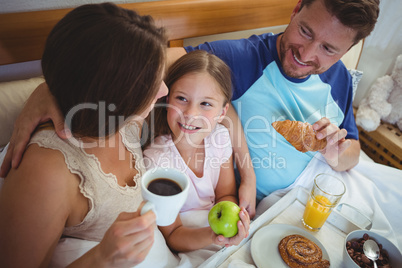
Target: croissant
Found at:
x=300, y=135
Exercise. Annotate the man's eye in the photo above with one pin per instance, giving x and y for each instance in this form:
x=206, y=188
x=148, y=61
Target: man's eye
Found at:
x=329, y=50
x=304, y=32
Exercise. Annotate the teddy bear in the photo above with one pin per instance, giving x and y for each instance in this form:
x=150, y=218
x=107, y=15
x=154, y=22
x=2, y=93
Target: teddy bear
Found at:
x=383, y=102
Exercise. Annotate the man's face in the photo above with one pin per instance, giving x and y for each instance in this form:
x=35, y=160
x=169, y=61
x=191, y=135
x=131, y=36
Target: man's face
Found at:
x=313, y=41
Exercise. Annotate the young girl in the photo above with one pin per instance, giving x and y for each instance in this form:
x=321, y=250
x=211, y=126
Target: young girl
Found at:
x=190, y=138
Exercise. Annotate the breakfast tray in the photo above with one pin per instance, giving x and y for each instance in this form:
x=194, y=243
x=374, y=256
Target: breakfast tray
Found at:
x=289, y=210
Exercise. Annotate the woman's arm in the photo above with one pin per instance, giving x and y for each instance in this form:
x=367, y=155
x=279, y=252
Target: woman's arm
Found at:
x=126, y=243
x=41, y=197
x=35, y=204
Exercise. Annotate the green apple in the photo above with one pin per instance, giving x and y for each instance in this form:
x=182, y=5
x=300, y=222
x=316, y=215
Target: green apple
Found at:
x=223, y=218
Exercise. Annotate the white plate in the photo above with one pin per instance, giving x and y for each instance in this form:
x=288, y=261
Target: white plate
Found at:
x=264, y=245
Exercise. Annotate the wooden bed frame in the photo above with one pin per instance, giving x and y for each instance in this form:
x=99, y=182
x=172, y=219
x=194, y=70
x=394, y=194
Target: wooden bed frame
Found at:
x=23, y=34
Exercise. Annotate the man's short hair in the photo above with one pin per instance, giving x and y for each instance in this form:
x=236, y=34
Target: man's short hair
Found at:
x=359, y=15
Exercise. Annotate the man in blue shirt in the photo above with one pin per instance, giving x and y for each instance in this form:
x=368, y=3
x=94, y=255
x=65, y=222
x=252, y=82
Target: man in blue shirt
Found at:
x=297, y=75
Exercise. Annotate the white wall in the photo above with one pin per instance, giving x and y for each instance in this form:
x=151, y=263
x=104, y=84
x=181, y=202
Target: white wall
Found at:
x=382, y=46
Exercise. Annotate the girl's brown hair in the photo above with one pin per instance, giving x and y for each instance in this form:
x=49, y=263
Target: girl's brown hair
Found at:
x=101, y=53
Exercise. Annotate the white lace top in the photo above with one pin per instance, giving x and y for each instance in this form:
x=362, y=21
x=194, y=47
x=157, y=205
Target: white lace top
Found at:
x=106, y=198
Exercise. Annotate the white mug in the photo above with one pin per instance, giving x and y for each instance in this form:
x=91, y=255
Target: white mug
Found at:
x=165, y=207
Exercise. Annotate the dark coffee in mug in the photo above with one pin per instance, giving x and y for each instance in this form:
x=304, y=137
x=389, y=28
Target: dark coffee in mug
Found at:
x=164, y=186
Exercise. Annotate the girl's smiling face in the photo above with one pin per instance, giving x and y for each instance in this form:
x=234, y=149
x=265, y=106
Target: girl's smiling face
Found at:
x=195, y=105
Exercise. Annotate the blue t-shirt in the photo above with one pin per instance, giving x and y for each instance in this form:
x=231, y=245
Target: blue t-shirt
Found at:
x=263, y=93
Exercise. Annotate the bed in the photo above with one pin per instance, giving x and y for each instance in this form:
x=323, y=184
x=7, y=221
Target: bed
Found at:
x=374, y=186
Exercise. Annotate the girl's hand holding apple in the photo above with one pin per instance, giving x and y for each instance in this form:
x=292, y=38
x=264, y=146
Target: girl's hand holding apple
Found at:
x=243, y=226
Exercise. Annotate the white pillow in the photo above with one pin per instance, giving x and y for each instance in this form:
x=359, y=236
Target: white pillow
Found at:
x=12, y=99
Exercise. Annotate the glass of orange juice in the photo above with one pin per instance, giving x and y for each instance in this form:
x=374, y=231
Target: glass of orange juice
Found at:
x=325, y=195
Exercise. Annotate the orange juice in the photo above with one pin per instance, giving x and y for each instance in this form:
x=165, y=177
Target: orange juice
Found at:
x=317, y=211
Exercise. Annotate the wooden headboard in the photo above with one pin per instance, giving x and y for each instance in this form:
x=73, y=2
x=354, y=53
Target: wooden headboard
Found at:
x=23, y=34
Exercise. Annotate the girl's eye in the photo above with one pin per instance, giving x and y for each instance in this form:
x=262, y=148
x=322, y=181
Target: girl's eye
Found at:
x=206, y=104
x=180, y=98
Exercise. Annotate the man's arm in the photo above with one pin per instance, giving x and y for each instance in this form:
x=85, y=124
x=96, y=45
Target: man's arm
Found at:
x=346, y=159
x=40, y=107
x=247, y=189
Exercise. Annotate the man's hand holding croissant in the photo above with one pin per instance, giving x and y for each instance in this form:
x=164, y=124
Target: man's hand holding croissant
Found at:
x=322, y=136
x=336, y=142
